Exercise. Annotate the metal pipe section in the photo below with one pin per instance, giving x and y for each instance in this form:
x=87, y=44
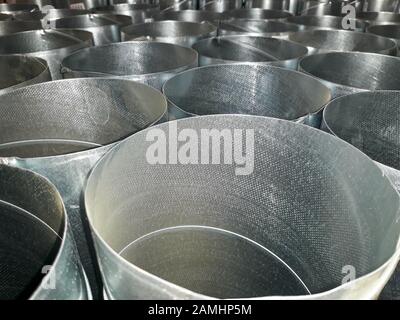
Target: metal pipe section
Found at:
x=165, y=231
x=230, y=49
x=60, y=129
x=50, y=45
x=350, y=72
x=265, y=97
x=38, y=257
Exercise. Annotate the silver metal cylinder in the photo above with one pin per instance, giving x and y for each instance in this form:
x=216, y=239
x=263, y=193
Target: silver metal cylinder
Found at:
x=256, y=14
x=165, y=231
x=230, y=49
x=176, y=32
x=152, y=63
x=340, y=40
x=246, y=89
x=286, y=5
x=326, y=22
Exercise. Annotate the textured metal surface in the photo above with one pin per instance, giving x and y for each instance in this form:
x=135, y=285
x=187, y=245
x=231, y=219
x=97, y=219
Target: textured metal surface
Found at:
x=58, y=4
x=256, y=14
x=370, y=122
x=17, y=7
x=312, y=205
x=349, y=72
x=189, y=16
x=287, y=5
x=10, y=27
x=176, y=32
x=175, y=5
x=20, y=71
x=379, y=17
x=152, y=63
x=50, y=45
x=51, y=14
x=229, y=49
x=64, y=127
x=35, y=234
x=220, y=5
x=341, y=40
x=264, y=28
x=323, y=7
x=138, y=12
x=246, y=89
x=380, y=5
x=325, y=22
x=391, y=31
x=105, y=29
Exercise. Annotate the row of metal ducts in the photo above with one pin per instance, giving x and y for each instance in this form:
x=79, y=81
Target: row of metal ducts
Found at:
x=84, y=214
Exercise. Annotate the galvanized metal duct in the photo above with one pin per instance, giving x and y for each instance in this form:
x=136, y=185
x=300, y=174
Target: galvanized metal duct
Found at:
x=164, y=231
x=14, y=8
x=283, y=5
x=378, y=17
x=349, y=72
x=20, y=71
x=387, y=30
x=104, y=28
x=51, y=14
x=138, y=12
x=341, y=40
x=256, y=14
x=10, y=27
x=370, y=122
x=189, y=16
x=263, y=28
x=380, y=5
x=175, y=5
x=38, y=257
x=325, y=22
x=60, y=129
x=230, y=49
x=176, y=32
x=220, y=5
x=272, y=92
x=152, y=63
x=50, y=45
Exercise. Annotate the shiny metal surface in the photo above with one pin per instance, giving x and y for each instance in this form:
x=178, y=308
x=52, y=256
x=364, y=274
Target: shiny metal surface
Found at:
x=57, y=4
x=174, y=5
x=105, y=29
x=370, y=122
x=151, y=63
x=287, y=5
x=10, y=27
x=229, y=49
x=391, y=31
x=5, y=17
x=138, y=12
x=20, y=71
x=340, y=40
x=50, y=45
x=165, y=231
x=51, y=14
x=325, y=22
x=38, y=257
x=379, y=17
x=189, y=16
x=263, y=28
x=246, y=89
x=220, y=5
x=256, y=14
x=323, y=7
x=380, y=5
x=177, y=32
x=17, y=7
x=349, y=72
x=64, y=127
